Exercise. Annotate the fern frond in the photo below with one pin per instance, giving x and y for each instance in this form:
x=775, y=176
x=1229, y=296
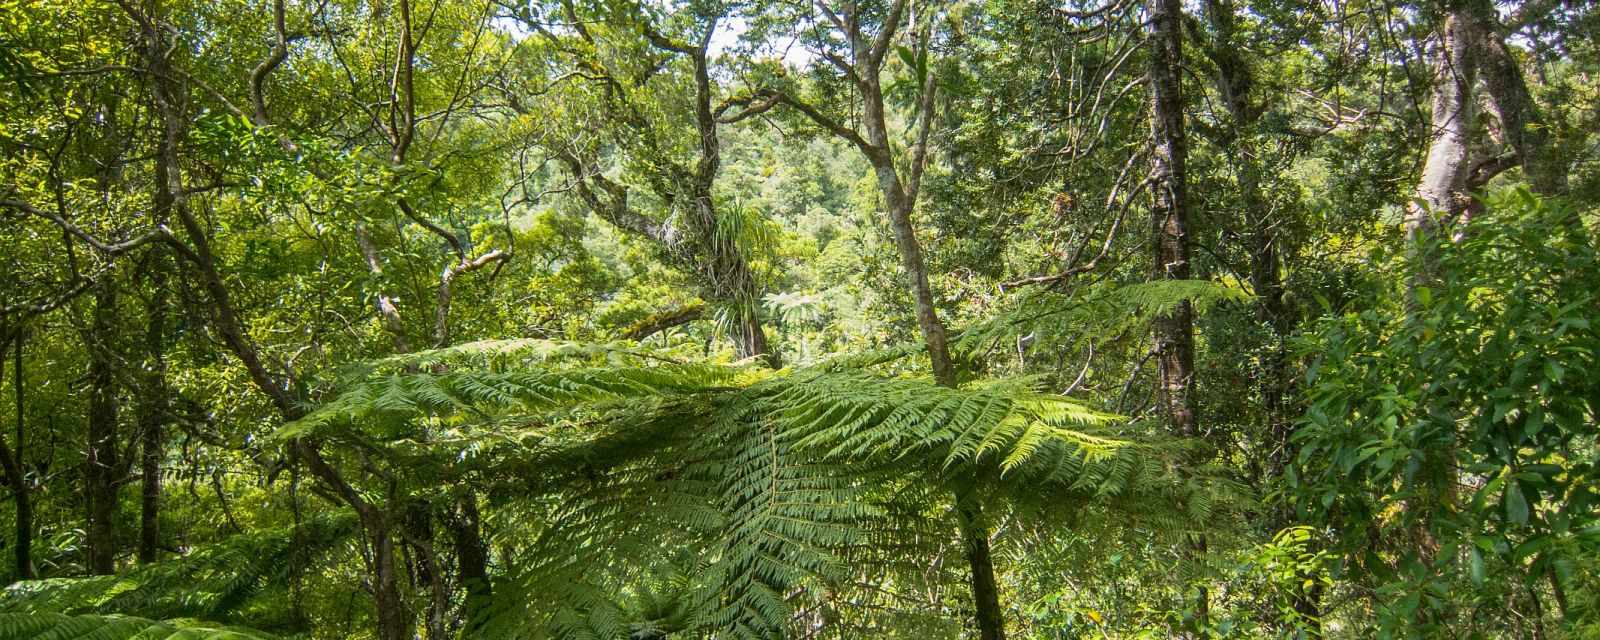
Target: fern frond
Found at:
x=1052, y=317
x=770, y=485
x=56, y=626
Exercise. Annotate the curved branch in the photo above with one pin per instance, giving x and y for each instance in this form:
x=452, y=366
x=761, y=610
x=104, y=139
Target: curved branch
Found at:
x=108, y=248
x=258, y=76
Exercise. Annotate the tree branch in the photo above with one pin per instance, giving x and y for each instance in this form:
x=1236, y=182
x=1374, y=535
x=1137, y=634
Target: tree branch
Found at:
x=258, y=76
x=108, y=248
x=831, y=125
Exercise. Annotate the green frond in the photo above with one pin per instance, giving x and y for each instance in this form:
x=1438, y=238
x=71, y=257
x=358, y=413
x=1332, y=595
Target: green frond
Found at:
x=1052, y=317
x=770, y=484
x=56, y=626
x=478, y=394
x=213, y=582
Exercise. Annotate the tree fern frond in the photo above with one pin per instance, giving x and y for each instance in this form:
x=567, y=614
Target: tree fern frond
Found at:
x=773, y=483
x=56, y=626
x=1049, y=317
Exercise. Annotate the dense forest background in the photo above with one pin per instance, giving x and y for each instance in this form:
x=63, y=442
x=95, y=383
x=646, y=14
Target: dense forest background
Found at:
x=613, y=319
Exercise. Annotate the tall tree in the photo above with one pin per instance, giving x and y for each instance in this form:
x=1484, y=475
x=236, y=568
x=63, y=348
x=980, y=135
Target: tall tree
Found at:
x=12, y=463
x=154, y=407
x=102, y=476
x=1169, y=211
x=1441, y=195
x=638, y=100
x=861, y=60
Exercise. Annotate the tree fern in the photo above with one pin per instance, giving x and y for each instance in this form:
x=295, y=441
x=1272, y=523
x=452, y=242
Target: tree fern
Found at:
x=763, y=485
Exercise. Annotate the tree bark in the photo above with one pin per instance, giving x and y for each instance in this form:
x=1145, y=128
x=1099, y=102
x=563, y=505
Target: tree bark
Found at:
x=472, y=563
x=382, y=303
x=1174, y=332
x=990, y=618
x=11, y=462
x=1506, y=93
x=698, y=242
x=393, y=617
x=900, y=198
x=101, y=468
x=153, y=415
x=1234, y=82
x=170, y=100
x=1441, y=190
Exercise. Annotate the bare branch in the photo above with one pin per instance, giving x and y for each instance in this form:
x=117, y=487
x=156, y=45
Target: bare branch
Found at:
x=441, y=310
x=880, y=44
x=108, y=248
x=831, y=125
x=258, y=77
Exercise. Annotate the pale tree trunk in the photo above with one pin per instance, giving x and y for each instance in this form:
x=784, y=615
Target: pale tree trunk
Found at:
x=1522, y=126
x=393, y=617
x=1441, y=199
x=1441, y=195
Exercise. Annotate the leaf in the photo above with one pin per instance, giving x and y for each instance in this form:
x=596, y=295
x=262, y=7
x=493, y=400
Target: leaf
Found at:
x=1475, y=559
x=1516, y=504
x=906, y=56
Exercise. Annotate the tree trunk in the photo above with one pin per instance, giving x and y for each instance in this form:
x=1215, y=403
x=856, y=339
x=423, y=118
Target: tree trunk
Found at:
x=1174, y=332
x=101, y=469
x=425, y=571
x=394, y=620
x=901, y=203
x=153, y=415
x=750, y=339
x=1441, y=191
x=472, y=563
x=1506, y=93
x=170, y=101
x=1441, y=198
x=1234, y=81
x=985, y=593
x=11, y=462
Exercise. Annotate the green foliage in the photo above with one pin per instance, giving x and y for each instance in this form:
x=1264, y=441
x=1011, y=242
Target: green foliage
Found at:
x=51, y=626
x=1056, y=320
x=1472, y=371
x=1441, y=482
x=774, y=480
x=216, y=582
